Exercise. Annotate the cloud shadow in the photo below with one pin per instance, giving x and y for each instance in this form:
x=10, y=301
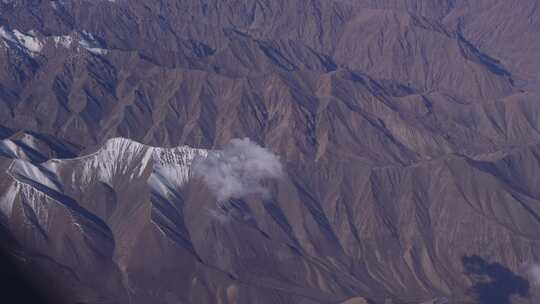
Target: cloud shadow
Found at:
x=493, y=282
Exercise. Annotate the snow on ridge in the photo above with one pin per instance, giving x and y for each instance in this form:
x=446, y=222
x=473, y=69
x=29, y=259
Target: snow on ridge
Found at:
x=27, y=41
x=30, y=42
x=64, y=41
x=116, y=156
x=122, y=156
x=33, y=44
x=94, y=50
x=15, y=149
x=164, y=156
x=169, y=168
x=84, y=40
x=89, y=42
x=9, y=149
x=34, y=173
x=25, y=148
x=172, y=168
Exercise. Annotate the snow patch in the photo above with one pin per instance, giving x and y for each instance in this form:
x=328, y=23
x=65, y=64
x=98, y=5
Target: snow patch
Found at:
x=171, y=168
x=28, y=41
x=9, y=149
x=94, y=50
x=58, y=4
x=12, y=149
x=89, y=42
x=120, y=156
x=168, y=168
x=35, y=174
x=117, y=157
x=64, y=41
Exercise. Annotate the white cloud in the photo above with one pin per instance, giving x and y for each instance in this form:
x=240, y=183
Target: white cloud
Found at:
x=238, y=169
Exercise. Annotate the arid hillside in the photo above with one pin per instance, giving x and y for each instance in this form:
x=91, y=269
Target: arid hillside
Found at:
x=271, y=151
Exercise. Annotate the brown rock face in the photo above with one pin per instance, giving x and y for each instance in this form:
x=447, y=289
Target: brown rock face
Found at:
x=408, y=132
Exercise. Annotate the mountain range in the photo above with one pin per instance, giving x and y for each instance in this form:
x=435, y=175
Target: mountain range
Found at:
x=269, y=151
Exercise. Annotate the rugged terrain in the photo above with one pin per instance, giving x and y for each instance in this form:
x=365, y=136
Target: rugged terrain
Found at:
x=408, y=131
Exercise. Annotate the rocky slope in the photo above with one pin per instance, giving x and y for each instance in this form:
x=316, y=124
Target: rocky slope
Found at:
x=408, y=132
